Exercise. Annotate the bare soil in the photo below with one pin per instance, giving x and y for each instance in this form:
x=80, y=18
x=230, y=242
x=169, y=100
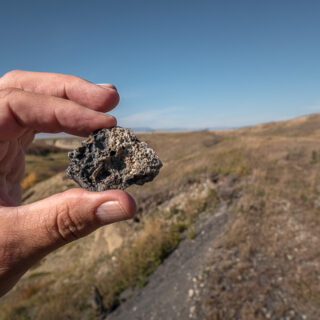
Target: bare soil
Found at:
x=173, y=290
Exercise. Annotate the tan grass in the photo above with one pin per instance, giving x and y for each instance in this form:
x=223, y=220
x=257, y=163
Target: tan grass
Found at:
x=273, y=235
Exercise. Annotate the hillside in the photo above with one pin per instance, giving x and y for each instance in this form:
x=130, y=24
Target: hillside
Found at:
x=300, y=126
x=238, y=208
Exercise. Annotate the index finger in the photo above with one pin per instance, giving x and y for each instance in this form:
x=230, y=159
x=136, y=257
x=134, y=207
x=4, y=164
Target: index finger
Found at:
x=97, y=97
x=21, y=111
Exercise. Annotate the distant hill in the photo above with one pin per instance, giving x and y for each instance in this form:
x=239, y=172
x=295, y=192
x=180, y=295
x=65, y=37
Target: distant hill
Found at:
x=43, y=149
x=66, y=142
x=142, y=129
x=300, y=126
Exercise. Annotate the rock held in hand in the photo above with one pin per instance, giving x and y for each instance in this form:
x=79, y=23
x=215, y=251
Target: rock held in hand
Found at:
x=112, y=159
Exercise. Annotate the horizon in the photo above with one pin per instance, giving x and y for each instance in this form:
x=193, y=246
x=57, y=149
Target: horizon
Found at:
x=181, y=65
x=150, y=130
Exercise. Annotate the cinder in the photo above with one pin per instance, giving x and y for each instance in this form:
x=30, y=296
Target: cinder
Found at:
x=112, y=159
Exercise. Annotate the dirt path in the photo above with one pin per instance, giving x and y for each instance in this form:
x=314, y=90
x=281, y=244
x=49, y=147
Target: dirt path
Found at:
x=173, y=289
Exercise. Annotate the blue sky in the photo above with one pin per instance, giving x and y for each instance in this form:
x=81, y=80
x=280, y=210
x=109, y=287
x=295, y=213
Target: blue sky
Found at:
x=177, y=64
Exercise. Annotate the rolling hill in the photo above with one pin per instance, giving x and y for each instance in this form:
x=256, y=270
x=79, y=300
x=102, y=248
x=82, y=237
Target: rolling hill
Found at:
x=239, y=208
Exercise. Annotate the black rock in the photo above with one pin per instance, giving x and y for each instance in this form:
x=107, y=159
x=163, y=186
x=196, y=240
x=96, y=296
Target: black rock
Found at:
x=112, y=159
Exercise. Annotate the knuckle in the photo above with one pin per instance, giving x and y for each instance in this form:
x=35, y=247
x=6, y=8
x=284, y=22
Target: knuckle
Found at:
x=72, y=78
x=13, y=73
x=9, y=240
x=7, y=92
x=10, y=76
x=66, y=224
x=75, y=193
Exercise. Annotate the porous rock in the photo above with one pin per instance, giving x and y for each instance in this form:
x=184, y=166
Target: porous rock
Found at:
x=112, y=159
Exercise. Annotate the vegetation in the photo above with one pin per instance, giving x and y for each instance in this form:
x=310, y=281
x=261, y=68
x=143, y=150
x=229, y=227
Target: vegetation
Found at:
x=128, y=267
x=271, y=247
x=266, y=263
x=42, y=162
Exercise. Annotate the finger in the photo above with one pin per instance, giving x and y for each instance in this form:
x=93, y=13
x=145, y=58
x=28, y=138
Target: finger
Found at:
x=108, y=85
x=20, y=110
x=46, y=225
x=97, y=97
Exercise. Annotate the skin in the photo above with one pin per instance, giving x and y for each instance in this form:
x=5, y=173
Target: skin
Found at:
x=32, y=102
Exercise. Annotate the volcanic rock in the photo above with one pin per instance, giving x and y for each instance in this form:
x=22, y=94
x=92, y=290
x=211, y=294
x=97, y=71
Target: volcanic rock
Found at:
x=112, y=159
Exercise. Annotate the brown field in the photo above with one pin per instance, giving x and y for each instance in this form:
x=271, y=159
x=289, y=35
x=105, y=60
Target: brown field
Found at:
x=266, y=265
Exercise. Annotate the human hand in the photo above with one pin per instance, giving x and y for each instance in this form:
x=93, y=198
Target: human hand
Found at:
x=32, y=102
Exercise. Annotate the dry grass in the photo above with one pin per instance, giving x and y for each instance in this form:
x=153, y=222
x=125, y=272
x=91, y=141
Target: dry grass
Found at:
x=266, y=265
x=158, y=234
x=29, y=181
x=41, y=167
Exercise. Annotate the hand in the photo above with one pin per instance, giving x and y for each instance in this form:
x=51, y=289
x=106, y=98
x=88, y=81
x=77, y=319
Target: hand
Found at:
x=32, y=102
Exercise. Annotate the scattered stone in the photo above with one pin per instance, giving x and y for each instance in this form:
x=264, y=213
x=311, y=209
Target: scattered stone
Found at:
x=112, y=159
x=190, y=293
x=191, y=311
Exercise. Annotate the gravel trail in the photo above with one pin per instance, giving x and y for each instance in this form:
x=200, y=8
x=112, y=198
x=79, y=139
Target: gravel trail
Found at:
x=173, y=289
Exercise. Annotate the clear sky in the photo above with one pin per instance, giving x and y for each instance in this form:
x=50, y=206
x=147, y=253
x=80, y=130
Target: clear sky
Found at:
x=177, y=64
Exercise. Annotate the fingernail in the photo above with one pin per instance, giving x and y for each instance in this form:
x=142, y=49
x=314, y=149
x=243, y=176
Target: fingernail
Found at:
x=110, y=212
x=107, y=86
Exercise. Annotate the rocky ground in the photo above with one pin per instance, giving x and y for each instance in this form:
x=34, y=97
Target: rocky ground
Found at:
x=174, y=289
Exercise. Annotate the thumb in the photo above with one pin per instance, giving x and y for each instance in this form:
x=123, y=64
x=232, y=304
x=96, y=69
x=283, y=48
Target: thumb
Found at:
x=48, y=224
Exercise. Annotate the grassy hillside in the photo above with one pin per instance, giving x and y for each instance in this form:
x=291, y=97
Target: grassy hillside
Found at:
x=42, y=162
x=265, y=266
